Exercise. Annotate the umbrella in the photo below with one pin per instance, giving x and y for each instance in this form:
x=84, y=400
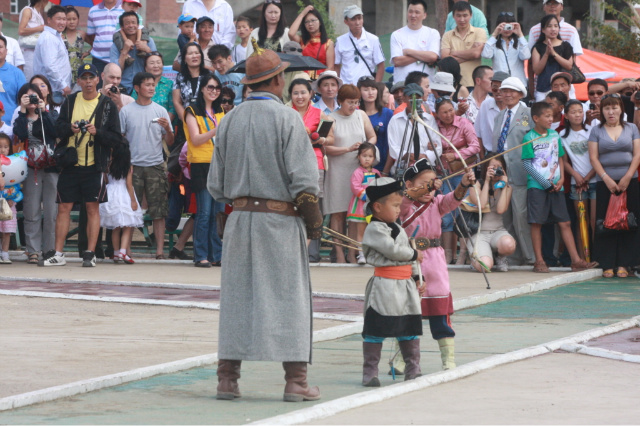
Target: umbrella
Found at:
x=584, y=228
x=298, y=63
x=76, y=3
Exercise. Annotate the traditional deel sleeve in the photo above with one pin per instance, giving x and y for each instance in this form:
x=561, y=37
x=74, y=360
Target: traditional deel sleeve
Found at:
x=378, y=237
x=446, y=203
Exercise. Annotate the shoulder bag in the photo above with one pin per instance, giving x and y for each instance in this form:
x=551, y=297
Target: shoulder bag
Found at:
x=373, y=74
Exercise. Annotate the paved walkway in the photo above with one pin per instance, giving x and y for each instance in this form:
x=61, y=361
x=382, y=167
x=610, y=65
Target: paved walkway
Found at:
x=119, y=332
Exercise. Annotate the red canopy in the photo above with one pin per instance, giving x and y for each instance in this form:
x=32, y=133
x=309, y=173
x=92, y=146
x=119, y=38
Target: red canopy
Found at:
x=598, y=65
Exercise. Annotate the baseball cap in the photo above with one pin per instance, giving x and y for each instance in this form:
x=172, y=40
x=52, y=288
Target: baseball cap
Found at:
x=547, y=1
x=1, y=106
x=204, y=19
x=500, y=76
x=186, y=18
x=132, y=1
x=87, y=68
x=351, y=11
x=514, y=83
x=397, y=86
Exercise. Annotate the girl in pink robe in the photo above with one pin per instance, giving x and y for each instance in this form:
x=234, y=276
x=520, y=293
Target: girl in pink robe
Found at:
x=426, y=212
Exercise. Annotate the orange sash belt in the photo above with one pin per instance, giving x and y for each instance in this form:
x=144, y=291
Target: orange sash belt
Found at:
x=401, y=272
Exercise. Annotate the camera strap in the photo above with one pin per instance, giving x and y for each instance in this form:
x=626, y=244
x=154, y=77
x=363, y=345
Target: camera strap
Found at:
x=373, y=74
x=93, y=114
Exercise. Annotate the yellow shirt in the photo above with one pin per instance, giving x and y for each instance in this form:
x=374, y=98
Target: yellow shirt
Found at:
x=454, y=41
x=82, y=110
x=201, y=153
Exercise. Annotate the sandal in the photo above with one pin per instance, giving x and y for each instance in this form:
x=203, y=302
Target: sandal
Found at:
x=540, y=267
x=33, y=259
x=203, y=264
x=160, y=257
x=622, y=272
x=608, y=273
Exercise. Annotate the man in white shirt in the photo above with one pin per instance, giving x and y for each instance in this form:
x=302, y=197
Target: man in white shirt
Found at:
x=482, y=78
x=358, y=52
x=51, y=58
x=220, y=12
x=429, y=141
x=488, y=112
x=415, y=47
x=14, y=54
x=568, y=33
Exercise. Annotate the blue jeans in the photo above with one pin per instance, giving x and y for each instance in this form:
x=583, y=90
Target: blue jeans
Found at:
x=376, y=339
x=449, y=218
x=206, y=243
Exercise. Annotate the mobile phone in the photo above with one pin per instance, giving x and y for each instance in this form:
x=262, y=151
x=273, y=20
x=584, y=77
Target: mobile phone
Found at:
x=592, y=107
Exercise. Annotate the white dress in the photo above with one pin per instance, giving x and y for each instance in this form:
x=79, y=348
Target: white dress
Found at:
x=117, y=211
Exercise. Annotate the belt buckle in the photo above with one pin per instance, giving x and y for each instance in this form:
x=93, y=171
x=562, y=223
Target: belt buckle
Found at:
x=423, y=243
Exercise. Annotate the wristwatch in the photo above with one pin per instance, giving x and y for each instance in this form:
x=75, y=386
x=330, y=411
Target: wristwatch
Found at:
x=418, y=62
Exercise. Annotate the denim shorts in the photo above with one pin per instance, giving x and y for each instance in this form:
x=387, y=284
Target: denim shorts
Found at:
x=589, y=194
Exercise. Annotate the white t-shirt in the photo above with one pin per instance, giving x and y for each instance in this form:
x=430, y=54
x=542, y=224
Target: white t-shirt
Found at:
x=426, y=39
x=7, y=129
x=396, y=134
x=576, y=145
x=351, y=68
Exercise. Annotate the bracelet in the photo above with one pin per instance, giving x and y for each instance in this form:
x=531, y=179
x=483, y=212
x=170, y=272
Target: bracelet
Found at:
x=603, y=175
x=465, y=186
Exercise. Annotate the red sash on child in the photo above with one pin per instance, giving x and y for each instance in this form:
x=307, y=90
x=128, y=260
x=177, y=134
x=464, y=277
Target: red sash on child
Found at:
x=401, y=272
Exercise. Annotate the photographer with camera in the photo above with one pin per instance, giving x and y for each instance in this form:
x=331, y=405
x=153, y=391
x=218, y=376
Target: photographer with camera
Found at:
x=88, y=128
x=507, y=47
x=39, y=187
x=495, y=198
x=111, y=79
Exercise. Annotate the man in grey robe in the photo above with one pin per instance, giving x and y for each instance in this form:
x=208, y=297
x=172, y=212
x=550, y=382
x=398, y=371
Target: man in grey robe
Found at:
x=264, y=164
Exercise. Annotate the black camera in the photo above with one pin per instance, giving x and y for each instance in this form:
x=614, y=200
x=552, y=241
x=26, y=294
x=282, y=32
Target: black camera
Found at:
x=637, y=96
x=499, y=171
x=114, y=89
x=33, y=99
x=82, y=125
x=592, y=107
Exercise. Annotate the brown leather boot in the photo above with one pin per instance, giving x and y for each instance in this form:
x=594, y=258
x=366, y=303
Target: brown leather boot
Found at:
x=410, y=350
x=228, y=375
x=297, y=389
x=371, y=353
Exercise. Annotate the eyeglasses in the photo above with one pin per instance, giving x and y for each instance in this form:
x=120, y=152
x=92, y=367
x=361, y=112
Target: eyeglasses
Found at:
x=506, y=14
x=352, y=103
x=365, y=78
x=226, y=101
x=212, y=88
x=596, y=93
x=311, y=21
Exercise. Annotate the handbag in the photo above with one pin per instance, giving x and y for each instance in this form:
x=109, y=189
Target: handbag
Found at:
x=5, y=210
x=457, y=165
x=29, y=42
x=173, y=161
x=577, y=75
x=473, y=223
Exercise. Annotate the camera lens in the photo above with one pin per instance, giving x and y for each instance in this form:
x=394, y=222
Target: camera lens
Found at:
x=114, y=89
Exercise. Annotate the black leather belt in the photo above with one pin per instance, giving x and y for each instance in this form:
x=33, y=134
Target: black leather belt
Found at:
x=426, y=243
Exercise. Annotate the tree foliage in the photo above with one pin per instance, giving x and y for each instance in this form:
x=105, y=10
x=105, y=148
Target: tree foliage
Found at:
x=623, y=42
x=321, y=6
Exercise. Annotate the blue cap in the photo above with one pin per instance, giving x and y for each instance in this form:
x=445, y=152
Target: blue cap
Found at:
x=87, y=68
x=186, y=18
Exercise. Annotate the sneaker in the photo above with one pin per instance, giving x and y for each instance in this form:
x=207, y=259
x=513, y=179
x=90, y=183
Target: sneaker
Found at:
x=179, y=254
x=51, y=259
x=88, y=259
x=502, y=264
x=5, y=260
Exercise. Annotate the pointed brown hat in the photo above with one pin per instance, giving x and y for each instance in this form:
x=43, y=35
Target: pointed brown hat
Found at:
x=262, y=65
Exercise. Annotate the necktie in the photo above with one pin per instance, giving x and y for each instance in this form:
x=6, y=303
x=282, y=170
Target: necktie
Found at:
x=503, y=135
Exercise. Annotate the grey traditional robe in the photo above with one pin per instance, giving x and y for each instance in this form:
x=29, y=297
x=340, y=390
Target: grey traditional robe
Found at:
x=262, y=150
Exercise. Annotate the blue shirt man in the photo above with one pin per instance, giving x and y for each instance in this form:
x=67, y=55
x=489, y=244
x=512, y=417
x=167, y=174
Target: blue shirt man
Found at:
x=11, y=79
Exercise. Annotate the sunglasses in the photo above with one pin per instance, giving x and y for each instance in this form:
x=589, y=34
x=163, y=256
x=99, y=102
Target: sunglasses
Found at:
x=365, y=78
x=613, y=95
x=226, y=101
x=596, y=93
x=293, y=49
x=154, y=53
x=212, y=88
x=506, y=14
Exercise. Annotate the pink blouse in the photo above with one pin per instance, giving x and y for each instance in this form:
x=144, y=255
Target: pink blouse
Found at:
x=462, y=134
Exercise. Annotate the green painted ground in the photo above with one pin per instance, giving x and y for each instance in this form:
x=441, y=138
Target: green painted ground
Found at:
x=189, y=397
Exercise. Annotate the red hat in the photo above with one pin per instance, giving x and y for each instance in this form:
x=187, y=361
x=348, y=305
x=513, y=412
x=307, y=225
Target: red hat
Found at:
x=133, y=1
x=1, y=106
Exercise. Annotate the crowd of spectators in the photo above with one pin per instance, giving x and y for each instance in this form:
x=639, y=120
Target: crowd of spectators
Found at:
x=54, y=98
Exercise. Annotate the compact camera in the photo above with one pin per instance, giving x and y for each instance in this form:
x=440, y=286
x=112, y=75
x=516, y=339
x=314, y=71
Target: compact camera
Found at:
x=114, y=89
x=508, y=27
x=499, y=171
x=33, y=99
x=155, y=120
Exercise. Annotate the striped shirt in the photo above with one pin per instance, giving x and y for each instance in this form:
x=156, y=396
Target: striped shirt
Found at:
x=102, y=23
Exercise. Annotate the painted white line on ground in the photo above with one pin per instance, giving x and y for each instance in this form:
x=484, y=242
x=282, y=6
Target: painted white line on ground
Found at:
x=97, y=383
x=600, y=352
x=330, y=408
